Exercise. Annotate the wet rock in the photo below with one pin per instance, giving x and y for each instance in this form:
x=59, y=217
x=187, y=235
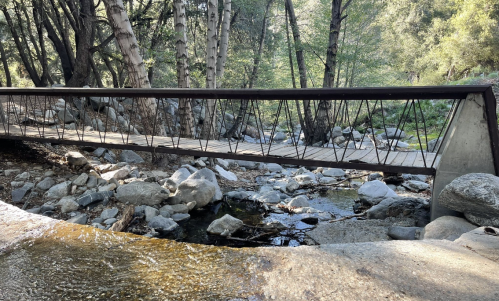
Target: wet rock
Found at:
x=401, y=207
x=150, y=213
x=200, y=190
x=404, y=233
x=141, y=193
x=447, y=227
x=180, y=217
x=225, y=226
x=273, y=167
x=299, y=201
x=333, y=172
x=300, y=210
x=476, y=195
x=129, y=156
x=18, y=194
x=109, y=213
x=163, y=224
x=81, y=180
x=415, y=186
x=118, y=174
x=374, y=192
x=271, y=197
x=68, y=204
x=209, y=175
x=225, y=174
x=59, y=191
x=79, y=219
x=75, y=158
x=237, y=195
x=87, y=199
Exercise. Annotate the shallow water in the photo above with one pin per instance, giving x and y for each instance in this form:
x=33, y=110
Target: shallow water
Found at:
x=74, y=262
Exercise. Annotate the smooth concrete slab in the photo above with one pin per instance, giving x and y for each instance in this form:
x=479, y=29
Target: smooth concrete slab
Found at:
x=62, y=261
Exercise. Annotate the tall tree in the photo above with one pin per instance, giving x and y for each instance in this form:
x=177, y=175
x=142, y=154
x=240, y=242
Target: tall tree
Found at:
x=224, y=42
x=3, y=58
x=185, y=110
x=210, y=117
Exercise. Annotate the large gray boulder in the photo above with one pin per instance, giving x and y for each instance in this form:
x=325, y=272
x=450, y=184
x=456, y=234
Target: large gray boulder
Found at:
x=199, y=190
x=271, y=197
x=299, y=201
x=142, y=193
x=162, y=224
x=476, y=195
x=129, y=156
x=178, y=177
x=416, y=208
x=373, y=192
x=118, y=174
x=225, y=226
x=483, y=241
x=228, y=175
x=447, y=227
x=333, y=172
x=207, y=174
x=434, y=144
x=393, y=133
x=75, y=158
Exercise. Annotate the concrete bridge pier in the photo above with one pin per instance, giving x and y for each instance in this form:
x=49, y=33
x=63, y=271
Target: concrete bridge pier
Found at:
x=468, y=146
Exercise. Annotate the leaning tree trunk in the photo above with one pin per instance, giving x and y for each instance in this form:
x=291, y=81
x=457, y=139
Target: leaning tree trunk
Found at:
x=308, y=129
x=3, y=58
x=210, y=117
x=224, y=42
x=129, y=47
x=185, y=110
x=256, y=62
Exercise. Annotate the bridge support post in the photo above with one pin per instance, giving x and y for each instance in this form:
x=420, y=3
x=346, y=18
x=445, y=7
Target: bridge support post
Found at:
x=467, y=147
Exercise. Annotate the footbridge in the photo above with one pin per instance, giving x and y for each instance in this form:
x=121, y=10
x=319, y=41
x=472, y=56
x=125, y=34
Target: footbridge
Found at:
x=444, y=131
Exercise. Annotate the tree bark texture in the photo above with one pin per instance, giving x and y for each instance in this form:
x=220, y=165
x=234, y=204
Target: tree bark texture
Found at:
x=185, y=110
x=122, y=28
x=210, y=117
x=224, y=42
x=3, y=58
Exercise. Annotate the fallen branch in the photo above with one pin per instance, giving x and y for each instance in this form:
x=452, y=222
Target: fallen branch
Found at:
x=348, y=217
x=125, y=220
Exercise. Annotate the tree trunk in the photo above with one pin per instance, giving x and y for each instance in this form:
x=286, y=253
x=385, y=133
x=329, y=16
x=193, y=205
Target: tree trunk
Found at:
x=332, y=49
x=185, y=110
x=244, y=102
x=224, y=42
x=3, y=58
x=308, y=120
x=210, y=117
x=129, y=47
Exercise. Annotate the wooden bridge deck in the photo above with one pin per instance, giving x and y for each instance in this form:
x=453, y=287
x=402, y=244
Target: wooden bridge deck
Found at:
x=368, y=159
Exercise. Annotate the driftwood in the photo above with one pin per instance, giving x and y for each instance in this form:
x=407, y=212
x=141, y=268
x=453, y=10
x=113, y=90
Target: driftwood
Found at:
x=348, y=217
x=125, y=220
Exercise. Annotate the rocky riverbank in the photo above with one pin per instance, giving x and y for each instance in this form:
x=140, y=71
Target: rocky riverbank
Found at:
x=229, y=202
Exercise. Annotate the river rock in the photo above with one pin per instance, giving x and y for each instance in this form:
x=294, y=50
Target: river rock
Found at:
x=416, y=208
x=129, y=156
x=162, y=224
x=447, y=227
x=90, y=198
x=434, y=144
x=327, y=180
x=306, y=178
x=79, y=219
x=415, y=186
x=333, y=172
x=150, y=213
x=393, y=133
x=109, y=213
x=271, y=197
x=180, y=217
x=207, y=174
x=18, y=194
x=299, y=201
x=279, y=136
x=483, y=241
x=292, y=186
x=237, y=195
x=92, y=182
x=336, y=132
x=59, y=191
x=405, y=233
x=99, y=152
x=141, y=193
x=476, y=195
x=200, y=190
x=45, y=184
x=178, y=177
x=223, y=163
x=68, y=204
x=23, y=176
x=248, y=164
x=225, y=173
x=273, y=167
x=75, y=158
x=118, y=174
x=225, y=226
x=81, y=180
x=373, y=192
x=421, y=178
